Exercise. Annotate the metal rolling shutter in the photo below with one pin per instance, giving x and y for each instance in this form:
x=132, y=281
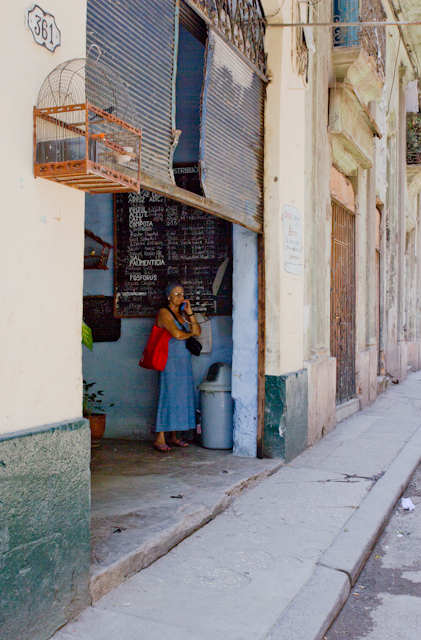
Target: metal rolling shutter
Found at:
x=138, y=42
x=231, y=146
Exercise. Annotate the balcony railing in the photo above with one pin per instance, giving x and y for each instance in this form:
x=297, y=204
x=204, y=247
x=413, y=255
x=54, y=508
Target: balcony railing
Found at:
x=242, y=22
x=371, y=39
x=413, y=138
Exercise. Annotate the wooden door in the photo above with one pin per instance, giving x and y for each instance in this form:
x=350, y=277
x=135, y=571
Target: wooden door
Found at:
x=343, y=300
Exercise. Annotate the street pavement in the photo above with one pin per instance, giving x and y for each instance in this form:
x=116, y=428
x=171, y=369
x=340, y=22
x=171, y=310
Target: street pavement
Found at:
x=385, y=602
x=280, y=562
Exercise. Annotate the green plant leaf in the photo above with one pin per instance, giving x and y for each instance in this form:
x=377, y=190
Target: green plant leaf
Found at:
x=87, y=337
x=92, y=401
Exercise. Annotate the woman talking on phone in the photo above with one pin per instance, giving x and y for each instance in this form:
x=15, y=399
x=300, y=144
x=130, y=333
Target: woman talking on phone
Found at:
x=176, y=408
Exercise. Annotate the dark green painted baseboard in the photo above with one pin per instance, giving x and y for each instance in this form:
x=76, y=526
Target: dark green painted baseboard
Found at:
x=44, y=529
x=286, y=415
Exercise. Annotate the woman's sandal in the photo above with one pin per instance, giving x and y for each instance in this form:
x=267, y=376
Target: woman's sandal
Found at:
x=163, y=448
x=179, y=443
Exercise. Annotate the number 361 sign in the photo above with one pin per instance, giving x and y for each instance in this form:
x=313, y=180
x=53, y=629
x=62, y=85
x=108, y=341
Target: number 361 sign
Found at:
x=43, y=27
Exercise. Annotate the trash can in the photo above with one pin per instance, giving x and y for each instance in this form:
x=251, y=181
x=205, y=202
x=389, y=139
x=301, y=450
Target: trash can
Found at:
x=217, y=407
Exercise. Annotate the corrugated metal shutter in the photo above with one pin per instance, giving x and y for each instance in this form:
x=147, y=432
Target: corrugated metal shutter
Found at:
x=137, y=42
x=231, y=146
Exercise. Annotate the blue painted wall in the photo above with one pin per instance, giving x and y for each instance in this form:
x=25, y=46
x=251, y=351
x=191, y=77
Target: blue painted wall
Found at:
x=245, y=338
x=114, y=365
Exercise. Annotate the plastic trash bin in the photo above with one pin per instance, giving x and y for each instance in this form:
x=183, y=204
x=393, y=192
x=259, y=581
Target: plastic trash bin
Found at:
x=217, y=407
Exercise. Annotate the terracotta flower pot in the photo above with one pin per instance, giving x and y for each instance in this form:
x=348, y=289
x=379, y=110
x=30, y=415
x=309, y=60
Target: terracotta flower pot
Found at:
x=97, y=424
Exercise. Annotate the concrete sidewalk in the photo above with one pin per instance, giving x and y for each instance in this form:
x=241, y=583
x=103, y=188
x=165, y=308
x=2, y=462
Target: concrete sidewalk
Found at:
x=280, y=561
x=145, y=503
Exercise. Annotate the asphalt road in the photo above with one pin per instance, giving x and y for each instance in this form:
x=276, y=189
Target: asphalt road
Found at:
x=385, y=603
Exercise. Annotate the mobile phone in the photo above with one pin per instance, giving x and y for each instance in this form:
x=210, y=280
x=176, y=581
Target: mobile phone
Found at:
x=182, y=306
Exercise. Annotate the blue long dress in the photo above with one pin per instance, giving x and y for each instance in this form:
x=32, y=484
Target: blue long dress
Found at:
x=176, y=407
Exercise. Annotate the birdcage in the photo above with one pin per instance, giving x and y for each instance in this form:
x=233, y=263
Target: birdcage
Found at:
x=83, y=130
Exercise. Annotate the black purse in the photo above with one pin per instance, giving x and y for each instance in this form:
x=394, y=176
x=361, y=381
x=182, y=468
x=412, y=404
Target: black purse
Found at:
x=192, y=344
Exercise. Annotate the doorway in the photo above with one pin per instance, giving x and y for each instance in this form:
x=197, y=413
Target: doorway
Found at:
x=342, y=308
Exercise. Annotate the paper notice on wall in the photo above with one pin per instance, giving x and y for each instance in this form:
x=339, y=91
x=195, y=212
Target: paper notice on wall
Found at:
x=291, y=224
x=205, y=337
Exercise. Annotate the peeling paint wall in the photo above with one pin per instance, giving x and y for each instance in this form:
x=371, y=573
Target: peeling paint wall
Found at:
x=285, y=183
x=318, y=230
x=286, y=421
x=400, y=276
x=44, y=529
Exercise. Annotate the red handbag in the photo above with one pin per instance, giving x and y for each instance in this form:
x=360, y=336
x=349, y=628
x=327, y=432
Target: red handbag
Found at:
x=155, y=354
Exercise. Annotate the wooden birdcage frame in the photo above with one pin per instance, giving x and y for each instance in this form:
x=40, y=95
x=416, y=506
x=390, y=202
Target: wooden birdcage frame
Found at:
x=80, y=144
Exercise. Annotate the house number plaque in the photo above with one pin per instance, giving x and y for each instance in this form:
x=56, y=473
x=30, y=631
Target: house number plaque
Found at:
x=43, y=28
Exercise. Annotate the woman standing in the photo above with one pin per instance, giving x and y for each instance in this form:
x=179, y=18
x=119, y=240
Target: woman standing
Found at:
x=176, y=408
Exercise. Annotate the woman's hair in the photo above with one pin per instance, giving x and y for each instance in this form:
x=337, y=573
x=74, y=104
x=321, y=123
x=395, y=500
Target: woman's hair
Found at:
x=170, y=286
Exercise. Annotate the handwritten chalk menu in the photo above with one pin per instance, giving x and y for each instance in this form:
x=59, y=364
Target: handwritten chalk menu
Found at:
x=158, y=240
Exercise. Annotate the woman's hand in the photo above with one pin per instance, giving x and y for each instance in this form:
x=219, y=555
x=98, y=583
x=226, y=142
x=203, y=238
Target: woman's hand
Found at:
x=187, y=307
x=188, y=315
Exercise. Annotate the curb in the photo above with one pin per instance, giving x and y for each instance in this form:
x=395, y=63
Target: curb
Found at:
x=103, y=580
x=314, y=608
x=317, y=604
x=354, y=543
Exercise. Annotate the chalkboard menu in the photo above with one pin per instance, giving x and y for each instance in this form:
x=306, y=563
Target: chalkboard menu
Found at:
x=158, y=240
x=98, y=315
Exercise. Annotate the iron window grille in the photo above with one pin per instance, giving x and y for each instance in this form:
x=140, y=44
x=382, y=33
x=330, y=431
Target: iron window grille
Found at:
x=371, y=39
x=242, y=22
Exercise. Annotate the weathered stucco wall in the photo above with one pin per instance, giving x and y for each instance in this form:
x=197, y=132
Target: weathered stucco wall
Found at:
x=396, y=277
x=309, y=128
x=318, y=230
x=44, y=470
x=41, y=233
x=285, y=179
x=284, y=185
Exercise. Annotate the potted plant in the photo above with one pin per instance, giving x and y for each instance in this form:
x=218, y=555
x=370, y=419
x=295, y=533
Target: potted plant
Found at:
x=94, y=411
